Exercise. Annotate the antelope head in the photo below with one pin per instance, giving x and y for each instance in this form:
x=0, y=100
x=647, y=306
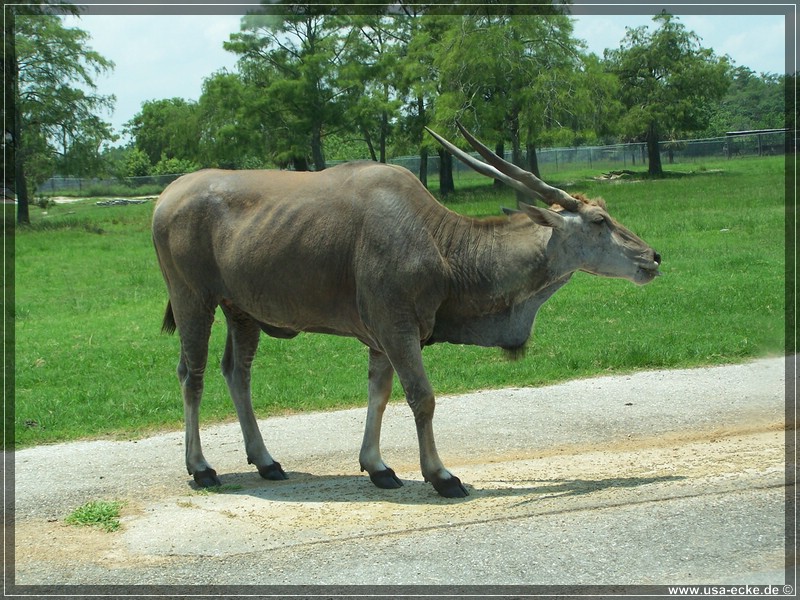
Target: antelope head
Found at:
x=599, y=243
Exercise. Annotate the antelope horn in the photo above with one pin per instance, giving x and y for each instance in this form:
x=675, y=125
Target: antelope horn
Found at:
x=548, y=193
x=482, y=167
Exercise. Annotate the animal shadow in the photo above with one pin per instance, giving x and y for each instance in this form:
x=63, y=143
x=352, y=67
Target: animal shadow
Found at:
x=306, y=487
x=555, y=488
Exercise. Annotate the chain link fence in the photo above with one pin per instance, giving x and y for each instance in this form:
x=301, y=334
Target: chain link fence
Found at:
x=148, y=184
x=634, y=156
x=551, y=160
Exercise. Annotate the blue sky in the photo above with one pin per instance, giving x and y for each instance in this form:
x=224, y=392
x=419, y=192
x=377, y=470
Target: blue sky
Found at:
x=165, y=56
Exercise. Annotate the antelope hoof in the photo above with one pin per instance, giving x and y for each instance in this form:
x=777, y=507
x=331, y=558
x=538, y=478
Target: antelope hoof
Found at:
x=272, y=472
x=207, y=478
x=450, y=487
x=386, y=479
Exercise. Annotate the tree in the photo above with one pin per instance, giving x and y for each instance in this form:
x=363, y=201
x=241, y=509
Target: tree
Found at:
x=174, y=166
x=668, y=82
x=592, y=110
x=81, y=135
x=232, y=135
x=166, y=129
x=791, y=110
x=752, y=102
x=50, y=99
x=293, y=60
x=371, y=78
x=511, y=77
x=136, y=163
x=421, y=85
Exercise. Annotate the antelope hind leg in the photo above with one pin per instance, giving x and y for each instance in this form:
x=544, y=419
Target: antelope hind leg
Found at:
x=240, y=349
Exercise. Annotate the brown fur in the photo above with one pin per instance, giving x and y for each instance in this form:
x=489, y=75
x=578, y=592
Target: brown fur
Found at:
x=587, y=201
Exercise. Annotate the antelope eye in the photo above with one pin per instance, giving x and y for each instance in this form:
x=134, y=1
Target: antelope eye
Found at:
x=598, y=219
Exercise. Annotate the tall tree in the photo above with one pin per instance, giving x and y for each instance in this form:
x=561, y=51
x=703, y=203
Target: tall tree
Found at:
x=370, y=76
x=231, y=133
x=421, y=85
x=294, y=60
x=668, y=82
x=510, y=75
x=53, y=105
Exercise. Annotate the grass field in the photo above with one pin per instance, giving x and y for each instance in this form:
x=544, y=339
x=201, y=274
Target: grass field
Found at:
x=89, y=298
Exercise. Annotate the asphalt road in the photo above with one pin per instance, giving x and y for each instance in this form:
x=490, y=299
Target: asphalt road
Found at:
x=656, y=478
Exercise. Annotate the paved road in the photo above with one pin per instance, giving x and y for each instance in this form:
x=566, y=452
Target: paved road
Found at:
x=656, y=478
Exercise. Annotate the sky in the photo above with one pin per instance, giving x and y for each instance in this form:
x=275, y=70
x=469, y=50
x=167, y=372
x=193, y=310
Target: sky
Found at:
x=166, y=56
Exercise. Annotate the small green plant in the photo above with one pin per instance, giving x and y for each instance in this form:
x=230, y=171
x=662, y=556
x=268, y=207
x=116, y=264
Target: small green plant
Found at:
x=97, y=513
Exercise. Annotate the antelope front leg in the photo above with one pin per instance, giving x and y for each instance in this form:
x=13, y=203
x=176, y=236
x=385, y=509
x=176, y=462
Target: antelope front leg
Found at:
x=380, y=388
x=407, y=361
x=444, y=482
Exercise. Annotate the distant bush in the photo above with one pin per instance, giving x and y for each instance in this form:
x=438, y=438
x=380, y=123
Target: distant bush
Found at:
x=171, y=166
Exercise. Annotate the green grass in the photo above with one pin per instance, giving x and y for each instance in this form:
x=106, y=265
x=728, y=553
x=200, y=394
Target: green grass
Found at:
x=90, y=361
x=102, y=514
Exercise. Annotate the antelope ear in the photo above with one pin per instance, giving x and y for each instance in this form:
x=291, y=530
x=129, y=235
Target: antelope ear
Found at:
x=542, y=216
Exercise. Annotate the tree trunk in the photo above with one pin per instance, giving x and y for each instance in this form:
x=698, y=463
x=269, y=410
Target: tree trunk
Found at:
x=384, y=126
x=423, y=166
x=370, y=147
x=653, y=152
x=533, y=159
x=14, y=168
x=316, y=149
x=300, y=163
x=423, y=151
x=500, y=150
x=446, y=185
x=20, y=182
x=384, y=135
x=9, y=98
x=516, y=153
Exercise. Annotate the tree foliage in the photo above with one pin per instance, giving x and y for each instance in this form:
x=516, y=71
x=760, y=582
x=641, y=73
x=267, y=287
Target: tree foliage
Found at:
x=751, y=102
x=232, y=132
x=522, y=79
x=167, y=129
x=293, y=60
x=312, y=84
x=371, y=79
x=421, y=84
